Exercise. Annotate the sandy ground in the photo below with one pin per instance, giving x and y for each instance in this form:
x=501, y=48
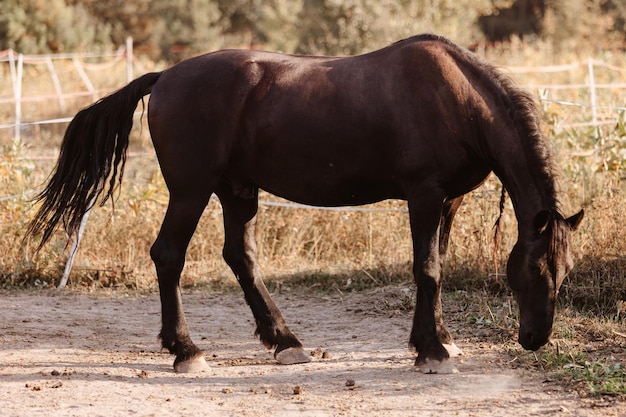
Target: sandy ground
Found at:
x=75, y=354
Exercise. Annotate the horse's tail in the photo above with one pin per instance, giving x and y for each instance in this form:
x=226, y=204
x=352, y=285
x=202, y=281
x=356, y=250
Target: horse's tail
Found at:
x=93, y=152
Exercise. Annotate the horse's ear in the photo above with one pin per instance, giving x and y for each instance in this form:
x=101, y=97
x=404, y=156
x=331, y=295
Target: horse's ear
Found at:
x=542, y=220
x=575, y=220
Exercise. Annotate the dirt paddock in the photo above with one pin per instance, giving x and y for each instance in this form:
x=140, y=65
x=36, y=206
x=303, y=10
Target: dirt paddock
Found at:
x=75, y=354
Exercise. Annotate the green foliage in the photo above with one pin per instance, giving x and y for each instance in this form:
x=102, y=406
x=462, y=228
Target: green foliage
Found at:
x=596, y=22
x=160, y=28
x=599, y=376
x=353, y=26
x=176, y=29
x=36, y=26
x=267, y=24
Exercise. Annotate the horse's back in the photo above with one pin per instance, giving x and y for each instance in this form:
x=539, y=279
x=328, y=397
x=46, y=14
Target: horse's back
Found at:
x=342, y=130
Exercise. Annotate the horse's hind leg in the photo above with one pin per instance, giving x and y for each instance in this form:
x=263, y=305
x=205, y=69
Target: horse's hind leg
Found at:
x=450, y=208
x=240, y=255
x=168, y=254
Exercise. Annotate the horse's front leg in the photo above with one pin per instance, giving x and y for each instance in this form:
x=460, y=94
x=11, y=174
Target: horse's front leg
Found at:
x=168, y=254
x=240, y=254
x=425, y=212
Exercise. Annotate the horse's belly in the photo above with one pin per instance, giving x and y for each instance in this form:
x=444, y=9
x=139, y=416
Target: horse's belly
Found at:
x=327, y=186
x=318, y=168
x=322, y=189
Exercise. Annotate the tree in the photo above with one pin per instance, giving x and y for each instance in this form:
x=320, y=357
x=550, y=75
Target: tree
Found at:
x=161, y=29
x=347, y=27
x=523, y=17
x=599, y=23
x=36, y=26
x=176, y=29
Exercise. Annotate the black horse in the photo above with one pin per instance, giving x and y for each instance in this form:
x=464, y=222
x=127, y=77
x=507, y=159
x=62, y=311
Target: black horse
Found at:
x=422, y=120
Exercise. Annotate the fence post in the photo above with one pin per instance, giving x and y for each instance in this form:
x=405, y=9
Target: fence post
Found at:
x=129, y=59
x=592, y=91
x=56, y=83
x=16, y=75
x=85, y=78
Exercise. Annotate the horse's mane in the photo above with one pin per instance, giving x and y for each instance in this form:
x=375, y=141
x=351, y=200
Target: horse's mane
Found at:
x=522, y=110
x=525, y=114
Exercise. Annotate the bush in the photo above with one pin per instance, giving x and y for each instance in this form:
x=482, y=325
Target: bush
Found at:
x=172, y=30
x=37, y=26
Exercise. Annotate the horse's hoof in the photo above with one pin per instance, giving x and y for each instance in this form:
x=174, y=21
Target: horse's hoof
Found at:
x=291, y=356
x=434, y=366
x=191, y=366
x=453, y=350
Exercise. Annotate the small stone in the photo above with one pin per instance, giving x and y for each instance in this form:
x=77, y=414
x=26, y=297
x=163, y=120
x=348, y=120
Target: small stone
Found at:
x=55, y=373
x=350, y=383
x=227, y=391
x=297, y=390
x=316, y=353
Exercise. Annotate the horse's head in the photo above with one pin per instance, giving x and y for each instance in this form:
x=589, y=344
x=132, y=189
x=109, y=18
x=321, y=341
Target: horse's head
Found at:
x=535, y=271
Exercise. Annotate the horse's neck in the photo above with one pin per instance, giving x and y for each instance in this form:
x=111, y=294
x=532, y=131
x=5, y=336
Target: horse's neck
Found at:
x=529, y=181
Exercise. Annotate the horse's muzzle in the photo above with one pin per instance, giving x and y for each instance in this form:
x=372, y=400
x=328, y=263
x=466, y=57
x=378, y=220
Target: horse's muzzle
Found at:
x=533, y=340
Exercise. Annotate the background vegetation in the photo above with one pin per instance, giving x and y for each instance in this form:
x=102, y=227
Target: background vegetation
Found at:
x=172, y=29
